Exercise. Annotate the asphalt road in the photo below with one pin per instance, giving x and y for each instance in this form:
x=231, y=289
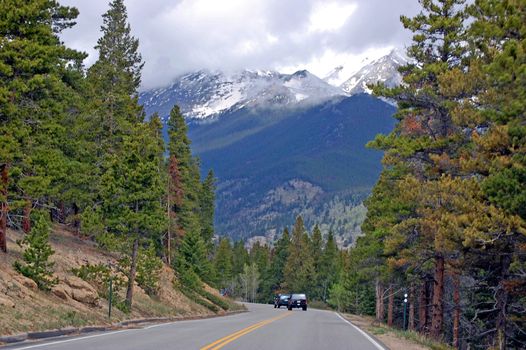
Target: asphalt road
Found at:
x=263, y=327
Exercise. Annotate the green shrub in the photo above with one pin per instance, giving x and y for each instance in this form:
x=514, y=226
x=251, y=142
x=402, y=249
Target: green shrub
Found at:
x=195, y=297
x=148, y=270
x=37, y=252
x=214, y=299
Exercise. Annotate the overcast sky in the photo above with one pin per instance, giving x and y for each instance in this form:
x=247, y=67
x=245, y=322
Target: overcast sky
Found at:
x=178, y=36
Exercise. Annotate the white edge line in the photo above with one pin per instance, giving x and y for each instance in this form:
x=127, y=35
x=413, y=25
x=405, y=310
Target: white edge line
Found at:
x=375, y=343
x=71, y=340
x=163, y=324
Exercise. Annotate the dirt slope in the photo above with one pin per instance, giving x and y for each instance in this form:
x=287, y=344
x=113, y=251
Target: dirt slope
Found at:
x=74, y=302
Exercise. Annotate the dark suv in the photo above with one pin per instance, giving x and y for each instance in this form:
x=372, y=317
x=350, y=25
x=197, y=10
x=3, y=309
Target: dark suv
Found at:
x=297, y=301
x=281, y=300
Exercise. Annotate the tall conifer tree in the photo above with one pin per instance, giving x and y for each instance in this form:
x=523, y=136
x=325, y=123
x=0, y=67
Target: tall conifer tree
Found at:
x=35, y=96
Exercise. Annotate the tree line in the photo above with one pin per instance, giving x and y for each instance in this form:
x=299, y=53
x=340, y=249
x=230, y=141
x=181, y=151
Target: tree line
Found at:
x=446, y=220
x=298, y=262
x=77, y=148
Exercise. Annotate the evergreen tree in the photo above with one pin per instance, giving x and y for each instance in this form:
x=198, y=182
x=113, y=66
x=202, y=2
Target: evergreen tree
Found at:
x=192, y=256
x=36, y=255
x=223, y=261
x=427, y=141
x=131, y=189
x=184, y=176
x=115, y=78
x=207, y=207
x=316, y=251
x=240, y=258
x=328, y=269
x=35, y=96
x=279, y=260
x=299, y=269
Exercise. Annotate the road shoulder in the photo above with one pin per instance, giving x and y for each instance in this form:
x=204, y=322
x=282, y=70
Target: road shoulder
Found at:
x=388, y=337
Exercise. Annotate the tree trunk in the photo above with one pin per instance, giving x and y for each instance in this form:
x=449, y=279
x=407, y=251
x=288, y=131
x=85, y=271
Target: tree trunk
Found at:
x=62, y=212
x=411, y=323
x=26, y=219
x=4, y=208
x=380, y=309
x=169, y=233
x=422, y=308
x=76, y=219
x=438, y=296
x=501, y=299
x=456, y=312
x=390, y=307
x=133, y=272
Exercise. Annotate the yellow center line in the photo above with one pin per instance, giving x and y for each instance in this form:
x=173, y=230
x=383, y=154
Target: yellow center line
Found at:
x=218, y=344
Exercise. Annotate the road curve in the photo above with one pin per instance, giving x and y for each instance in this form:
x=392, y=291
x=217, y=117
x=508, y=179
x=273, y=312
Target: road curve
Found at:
x=263, y=327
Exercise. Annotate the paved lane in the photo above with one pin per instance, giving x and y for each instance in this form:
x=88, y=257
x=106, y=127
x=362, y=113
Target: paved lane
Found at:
x=263, y=327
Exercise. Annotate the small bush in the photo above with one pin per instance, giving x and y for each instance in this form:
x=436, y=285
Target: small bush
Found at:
x=36, y=255
x=214, y=299
x=100, y=275
x=195, y=297
x=148, y=270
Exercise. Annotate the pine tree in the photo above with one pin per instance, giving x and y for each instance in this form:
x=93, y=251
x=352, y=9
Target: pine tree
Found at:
x=279, y=260
x=115, y=78
x=497, y=37
x=192, y=256
x=223, y=261
x=316, y=248
x=184, y=176
x=207, y=207
x=299, y=269
x=36, y=255
x=427, y=139
x=131, y=189
x=35, y=96
x=240, y=258
x=328, y=268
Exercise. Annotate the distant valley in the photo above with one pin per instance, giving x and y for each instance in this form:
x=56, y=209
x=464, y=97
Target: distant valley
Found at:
x=283, y=145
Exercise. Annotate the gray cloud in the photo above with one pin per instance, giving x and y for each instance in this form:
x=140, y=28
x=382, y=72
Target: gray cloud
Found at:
x=178, y=36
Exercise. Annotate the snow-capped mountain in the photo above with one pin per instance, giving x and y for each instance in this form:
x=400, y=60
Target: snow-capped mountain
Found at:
x=384, y=69
x=206, y=94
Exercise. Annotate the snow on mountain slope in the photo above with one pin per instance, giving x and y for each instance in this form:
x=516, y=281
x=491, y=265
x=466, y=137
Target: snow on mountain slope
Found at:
x=206, y=94
x=385, y=70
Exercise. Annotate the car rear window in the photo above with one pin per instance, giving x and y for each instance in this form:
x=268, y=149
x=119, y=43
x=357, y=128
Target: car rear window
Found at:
x=284, y=297
x=299, y=296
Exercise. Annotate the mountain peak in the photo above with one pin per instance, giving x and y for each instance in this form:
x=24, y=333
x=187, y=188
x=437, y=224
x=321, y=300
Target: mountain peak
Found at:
x=384, y=69
x=205, y=94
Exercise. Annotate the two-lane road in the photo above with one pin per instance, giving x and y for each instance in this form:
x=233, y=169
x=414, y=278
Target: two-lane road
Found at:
x=263, y=327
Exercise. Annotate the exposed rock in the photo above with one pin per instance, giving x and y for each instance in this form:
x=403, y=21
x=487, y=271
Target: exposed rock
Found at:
x=62, y=291
x=6, y=302
x=77, y=283
x=77, y=289
x=26, y=282
x=85, y=296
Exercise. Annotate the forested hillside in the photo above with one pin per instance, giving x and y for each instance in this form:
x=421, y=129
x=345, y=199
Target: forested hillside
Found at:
x=75, y=149
x=274, y=165
x=443, y=251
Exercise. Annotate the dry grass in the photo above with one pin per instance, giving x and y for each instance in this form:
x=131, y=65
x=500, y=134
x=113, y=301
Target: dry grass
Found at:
x=395, y=339
x=35, y=310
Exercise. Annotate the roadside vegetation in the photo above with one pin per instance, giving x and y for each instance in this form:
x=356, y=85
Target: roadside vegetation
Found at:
x=443, y=250
x=78, y=151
